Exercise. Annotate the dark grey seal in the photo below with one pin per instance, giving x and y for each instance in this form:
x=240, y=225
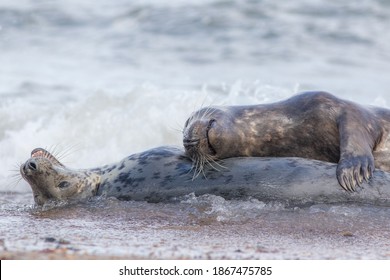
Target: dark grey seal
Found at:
x=165, y=173
x=314, y=125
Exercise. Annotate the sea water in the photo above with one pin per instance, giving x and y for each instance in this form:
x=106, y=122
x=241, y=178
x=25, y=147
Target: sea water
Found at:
x=98, y=80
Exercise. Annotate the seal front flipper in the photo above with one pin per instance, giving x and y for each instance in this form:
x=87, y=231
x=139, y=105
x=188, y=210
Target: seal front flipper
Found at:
x=352, y=170
x=359, y=133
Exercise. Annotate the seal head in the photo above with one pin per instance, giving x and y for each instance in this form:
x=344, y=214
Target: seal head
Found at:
x=208, y=136
x=50, y=180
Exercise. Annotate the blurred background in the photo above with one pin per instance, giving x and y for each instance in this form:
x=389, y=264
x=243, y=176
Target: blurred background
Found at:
x=96, y=80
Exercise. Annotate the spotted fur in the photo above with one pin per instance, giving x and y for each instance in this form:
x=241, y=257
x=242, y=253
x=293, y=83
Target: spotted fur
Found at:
x=163, y=174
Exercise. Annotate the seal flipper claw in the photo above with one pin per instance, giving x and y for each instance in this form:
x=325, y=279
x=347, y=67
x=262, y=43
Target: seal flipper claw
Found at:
x=345, y=176
x=355, y=169
x=364, y=172
x=356, y=176
x=344, y=183
x=352, y=183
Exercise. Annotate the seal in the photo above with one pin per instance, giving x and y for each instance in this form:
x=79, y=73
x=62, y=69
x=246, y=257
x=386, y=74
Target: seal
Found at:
x=313, y=125
x=163, y=174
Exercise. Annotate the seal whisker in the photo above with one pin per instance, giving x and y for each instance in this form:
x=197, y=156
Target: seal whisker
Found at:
x=203, y=101
x=53, y=150
x=67, y=151
x=204, y=111
x=212, y=161
x=209, y=163
x=192, y=167
x=203, y=163
x=198, y=114
x=179, y=129
x=16, y=177
x=44, y=152
x=195, y=171
x=59, y=152
x=199, y=167
x=15, y=180
x=209, y=111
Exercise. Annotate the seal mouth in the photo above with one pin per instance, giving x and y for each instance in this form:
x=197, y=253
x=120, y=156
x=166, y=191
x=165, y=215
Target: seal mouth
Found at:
x=190, y=143
x=40, y=152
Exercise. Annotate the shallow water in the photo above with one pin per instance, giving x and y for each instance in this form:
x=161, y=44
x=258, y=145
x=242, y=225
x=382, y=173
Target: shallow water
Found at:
x=200, y=228
x=99, y=80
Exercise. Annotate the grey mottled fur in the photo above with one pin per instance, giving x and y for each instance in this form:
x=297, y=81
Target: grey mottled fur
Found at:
x=164, y=173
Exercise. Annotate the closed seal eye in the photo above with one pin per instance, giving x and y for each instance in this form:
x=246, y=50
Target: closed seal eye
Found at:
x=209, y=126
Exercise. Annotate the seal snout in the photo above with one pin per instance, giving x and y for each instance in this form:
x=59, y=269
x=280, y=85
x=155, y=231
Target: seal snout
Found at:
x=29, y=167
x=190, y=142
x=191, y=146
x=32, y=165
x=192, y=135
x=196, y=138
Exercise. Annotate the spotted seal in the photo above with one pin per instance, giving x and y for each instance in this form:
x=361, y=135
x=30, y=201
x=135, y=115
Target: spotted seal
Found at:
x=314, y=125
x=163, y=174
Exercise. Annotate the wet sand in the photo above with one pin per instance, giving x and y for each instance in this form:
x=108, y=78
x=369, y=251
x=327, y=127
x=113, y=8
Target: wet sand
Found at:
x=208, y=227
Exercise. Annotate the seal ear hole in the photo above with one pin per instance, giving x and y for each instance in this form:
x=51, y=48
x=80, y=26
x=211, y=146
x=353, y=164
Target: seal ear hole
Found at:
x=63, y=184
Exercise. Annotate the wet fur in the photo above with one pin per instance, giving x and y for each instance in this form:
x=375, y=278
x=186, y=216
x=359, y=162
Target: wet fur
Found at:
x=314, y=125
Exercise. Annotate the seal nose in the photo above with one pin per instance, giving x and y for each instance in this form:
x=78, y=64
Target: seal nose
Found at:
x=32, y=165
x=190, y=143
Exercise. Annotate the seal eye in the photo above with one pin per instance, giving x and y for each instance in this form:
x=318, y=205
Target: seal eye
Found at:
x=211, y=122
x=63, y=184
x=211, y=148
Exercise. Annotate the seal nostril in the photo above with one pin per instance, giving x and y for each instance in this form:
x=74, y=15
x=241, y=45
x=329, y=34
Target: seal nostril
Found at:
x=32, y=166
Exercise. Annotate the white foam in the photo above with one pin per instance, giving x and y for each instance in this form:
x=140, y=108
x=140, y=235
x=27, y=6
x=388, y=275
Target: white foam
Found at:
x=102, y=127
x=212, y=207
